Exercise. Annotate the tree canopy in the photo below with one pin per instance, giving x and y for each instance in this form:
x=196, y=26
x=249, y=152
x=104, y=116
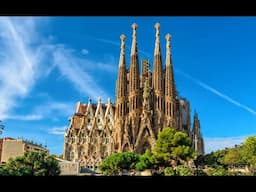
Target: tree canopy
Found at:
x=114, y=164
x=233, y=157
x=31, y=164
x=248, y=153
x=171, y=146
x=145, y=161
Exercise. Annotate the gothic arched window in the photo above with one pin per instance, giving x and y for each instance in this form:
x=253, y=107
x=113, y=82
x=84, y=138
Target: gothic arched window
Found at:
x=71, y=154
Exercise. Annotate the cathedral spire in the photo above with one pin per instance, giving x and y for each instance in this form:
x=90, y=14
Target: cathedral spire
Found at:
x=121, y=82
x=158, y=81
x=158, y=71
x=121, y=87
x=122, y=53
x=198, y=143
x=168, y=49
x=134, y=78
x=157, y=43
x=134, y=40
x=170, y=89
x=196, y=124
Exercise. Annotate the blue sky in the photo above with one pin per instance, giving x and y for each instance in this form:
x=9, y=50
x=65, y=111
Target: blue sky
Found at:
x=48, y=64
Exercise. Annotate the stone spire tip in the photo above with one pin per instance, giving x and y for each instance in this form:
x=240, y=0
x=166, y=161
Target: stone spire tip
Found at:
x=122, y=37
x=168, y=36
x=157, y=26
x=134, y=26
x=134, y=44
x=157, y=44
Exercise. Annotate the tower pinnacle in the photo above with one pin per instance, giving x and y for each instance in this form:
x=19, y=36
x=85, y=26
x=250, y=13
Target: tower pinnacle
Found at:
x=122, y=53
x=134, y=47
x=168, y=49
x=157, y=44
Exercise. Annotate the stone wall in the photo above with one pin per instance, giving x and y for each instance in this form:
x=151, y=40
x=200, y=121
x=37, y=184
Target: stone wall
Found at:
x=12, y=148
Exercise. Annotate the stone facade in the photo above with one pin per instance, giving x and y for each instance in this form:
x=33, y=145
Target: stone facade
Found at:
x=12, y=148
x=146, y=102
x=68, y=167
x=89, y=137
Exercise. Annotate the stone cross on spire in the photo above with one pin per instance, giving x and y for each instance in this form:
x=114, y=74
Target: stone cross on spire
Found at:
x=133, y=50
x=122, y=53
x=157, y=44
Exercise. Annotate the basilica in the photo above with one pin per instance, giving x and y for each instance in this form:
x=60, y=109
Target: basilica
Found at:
x=146, y=102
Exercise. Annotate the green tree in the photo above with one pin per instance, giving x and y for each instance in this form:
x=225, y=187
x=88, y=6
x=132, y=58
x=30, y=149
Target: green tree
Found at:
x=181, y=170
x=169, y=171
x=145, y=161
x=172, y=147
x=248, y=153
x=213, y=159
x=117, y=162
x=32, y=164
x=217, y=171
x=233, y=157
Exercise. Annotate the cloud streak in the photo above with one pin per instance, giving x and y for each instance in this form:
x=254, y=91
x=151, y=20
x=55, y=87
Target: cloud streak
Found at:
x=70, y=67
x=30, y=117
x=119, y=44
x=24, y=59
x=57, y=130
x=218, y=93
x=54, y=109
x=18, y=66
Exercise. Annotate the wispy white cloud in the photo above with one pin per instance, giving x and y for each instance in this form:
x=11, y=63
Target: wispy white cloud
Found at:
x=30, y=117
x=46, y=110
x=218, y=93
x=58, y=130
x=106, y=67
x=53, y=109
x=26, y=58
x=85, y=51
x=108, y=41
x=72, y=68
x=214, y=144
x=119, y=44
x=18, y=66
